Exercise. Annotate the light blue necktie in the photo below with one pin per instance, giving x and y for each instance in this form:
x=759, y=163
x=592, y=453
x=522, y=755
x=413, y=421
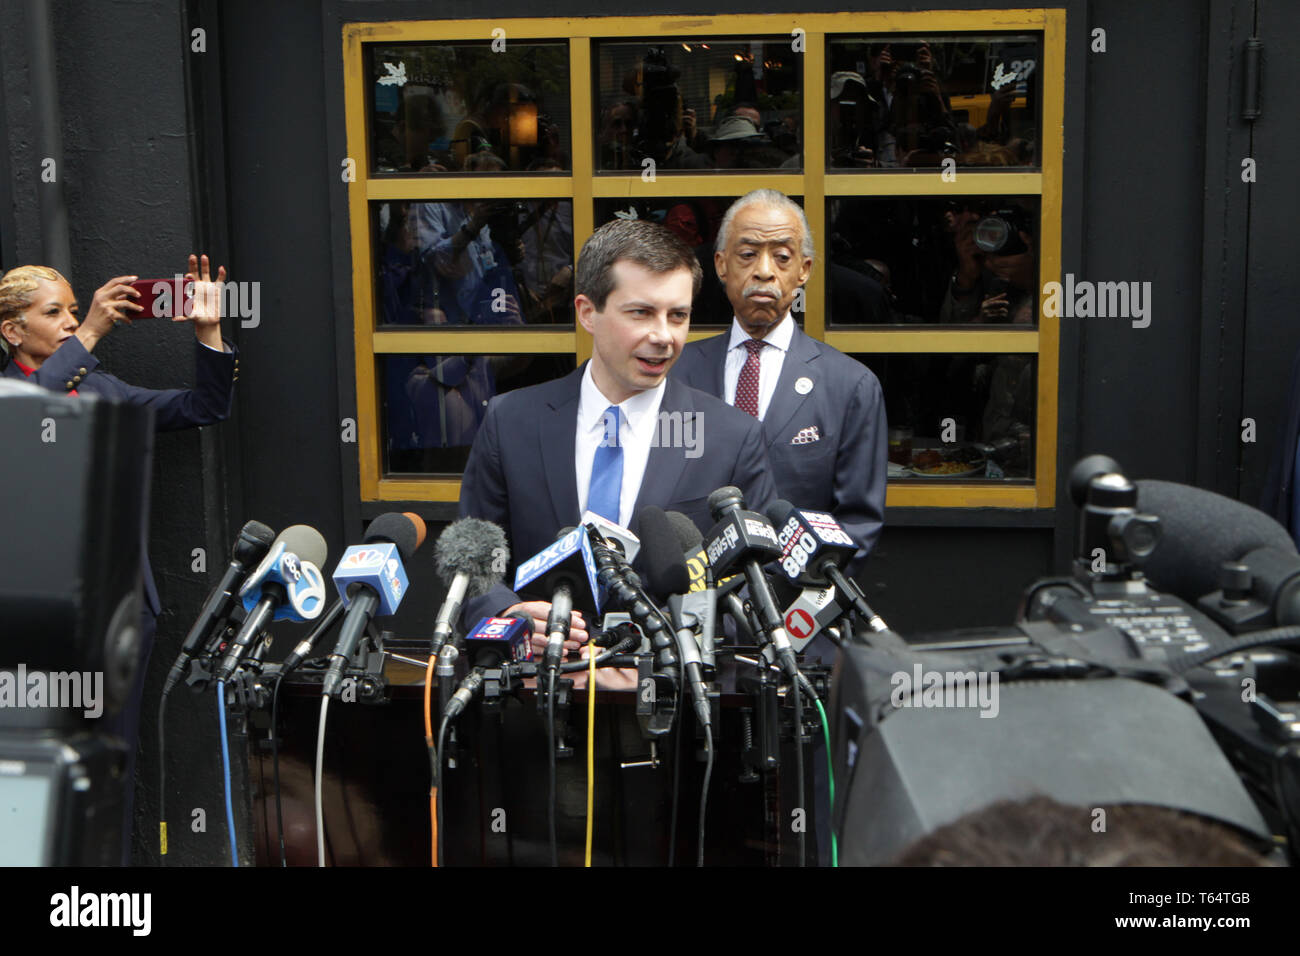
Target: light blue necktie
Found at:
x=606, y=486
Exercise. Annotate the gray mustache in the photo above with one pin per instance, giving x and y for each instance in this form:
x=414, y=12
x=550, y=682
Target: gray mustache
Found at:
x=753, y=290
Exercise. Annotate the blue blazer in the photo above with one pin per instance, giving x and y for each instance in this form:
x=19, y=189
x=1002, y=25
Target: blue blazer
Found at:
x=520, y=472
x=72, y=367
x=843, y=468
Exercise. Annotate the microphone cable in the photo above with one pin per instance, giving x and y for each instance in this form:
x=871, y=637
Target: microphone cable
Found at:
x=326, y=621
x=704, y=791
x=320, y=772
x=433, y=756
x=798, y=770
x=594, y=660
x=830, y=778
x=162, y=779
x=275, y=763
x=438, y=858
x=591, y=747
x=570, y=667
x=550, y=752
x=225, y=768
x=1289, y=634
x=672, y=819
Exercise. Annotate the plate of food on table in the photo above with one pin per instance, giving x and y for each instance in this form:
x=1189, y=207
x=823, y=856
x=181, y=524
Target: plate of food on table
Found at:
x=956, y=462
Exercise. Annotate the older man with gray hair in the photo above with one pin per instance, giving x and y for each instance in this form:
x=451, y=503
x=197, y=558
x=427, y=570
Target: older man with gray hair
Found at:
x=823, y=413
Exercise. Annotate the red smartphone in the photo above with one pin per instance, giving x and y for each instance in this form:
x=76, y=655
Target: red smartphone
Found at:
x=158, y=298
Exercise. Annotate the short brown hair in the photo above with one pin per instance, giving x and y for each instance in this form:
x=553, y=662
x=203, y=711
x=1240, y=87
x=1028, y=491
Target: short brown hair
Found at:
x=648, y=244
x=1040, y=831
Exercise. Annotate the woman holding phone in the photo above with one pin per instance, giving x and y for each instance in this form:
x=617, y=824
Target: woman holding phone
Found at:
x=44, y=342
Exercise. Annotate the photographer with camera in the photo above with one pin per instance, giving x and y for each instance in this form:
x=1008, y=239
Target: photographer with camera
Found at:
x=545, y=273
x=471, y=251
x=660, y=132
x=994, y=282
x=996, y=269
x=476, y=285
x=906, y=110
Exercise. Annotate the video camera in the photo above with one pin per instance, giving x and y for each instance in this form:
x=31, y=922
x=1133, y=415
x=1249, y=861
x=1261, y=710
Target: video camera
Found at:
x=1105, y=691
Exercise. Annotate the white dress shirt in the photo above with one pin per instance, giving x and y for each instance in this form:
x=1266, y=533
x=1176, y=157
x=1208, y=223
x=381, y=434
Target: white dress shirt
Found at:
x=770, y=361
x=638, y=424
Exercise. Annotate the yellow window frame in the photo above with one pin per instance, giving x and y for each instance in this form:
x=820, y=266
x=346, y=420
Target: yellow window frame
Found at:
x=815, y=184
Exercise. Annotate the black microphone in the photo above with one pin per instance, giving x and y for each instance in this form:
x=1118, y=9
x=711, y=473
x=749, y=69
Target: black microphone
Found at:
x=251, y=546
x=813, y=550
x=1203, y=531
x=668, y=579
x=688, y=535
x=746, y=540
x=471, y=557
x=371, y=581
x=622, y=588
x=562, y=574
x=705, y=605
x=494, y=642
x=560, y=618
x=287, y=584
x=308, y=643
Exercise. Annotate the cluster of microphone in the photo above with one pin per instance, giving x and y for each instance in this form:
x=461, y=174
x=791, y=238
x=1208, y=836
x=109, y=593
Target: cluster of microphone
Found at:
x=787, y=563
x=278, y=578
x=690, y=582
x=656, y=601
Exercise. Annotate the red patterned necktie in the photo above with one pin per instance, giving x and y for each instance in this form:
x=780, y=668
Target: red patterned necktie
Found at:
x=747, y=384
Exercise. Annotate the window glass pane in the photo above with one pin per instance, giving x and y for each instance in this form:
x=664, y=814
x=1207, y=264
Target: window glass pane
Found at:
x=913, y=101
x=964, y=260
x=460, y=107
x=959, y=417
x=433, y=405
x=493, y=262
x=699, y=104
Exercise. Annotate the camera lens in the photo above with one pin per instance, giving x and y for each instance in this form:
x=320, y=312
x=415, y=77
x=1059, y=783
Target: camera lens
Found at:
x=992, y=233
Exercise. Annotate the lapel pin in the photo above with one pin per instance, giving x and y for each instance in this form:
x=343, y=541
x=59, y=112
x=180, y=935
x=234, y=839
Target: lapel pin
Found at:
x=803, y=385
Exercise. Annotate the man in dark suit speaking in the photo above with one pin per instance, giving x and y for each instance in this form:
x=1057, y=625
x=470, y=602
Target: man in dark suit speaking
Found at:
x=616, y=435
x=823, y=413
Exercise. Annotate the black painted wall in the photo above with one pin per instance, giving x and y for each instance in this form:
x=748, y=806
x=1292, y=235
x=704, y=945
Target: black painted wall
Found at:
x=120, y=72
x=1152, y=192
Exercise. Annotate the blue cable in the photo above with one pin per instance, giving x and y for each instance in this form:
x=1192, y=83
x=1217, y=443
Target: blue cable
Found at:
x=225, y=767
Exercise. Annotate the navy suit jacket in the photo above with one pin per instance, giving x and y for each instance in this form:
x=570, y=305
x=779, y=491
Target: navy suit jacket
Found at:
x=71, y=367
x=844, y=470
x=520, y=472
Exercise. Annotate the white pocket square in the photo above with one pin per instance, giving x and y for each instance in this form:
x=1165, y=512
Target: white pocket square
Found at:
x=806, y=436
